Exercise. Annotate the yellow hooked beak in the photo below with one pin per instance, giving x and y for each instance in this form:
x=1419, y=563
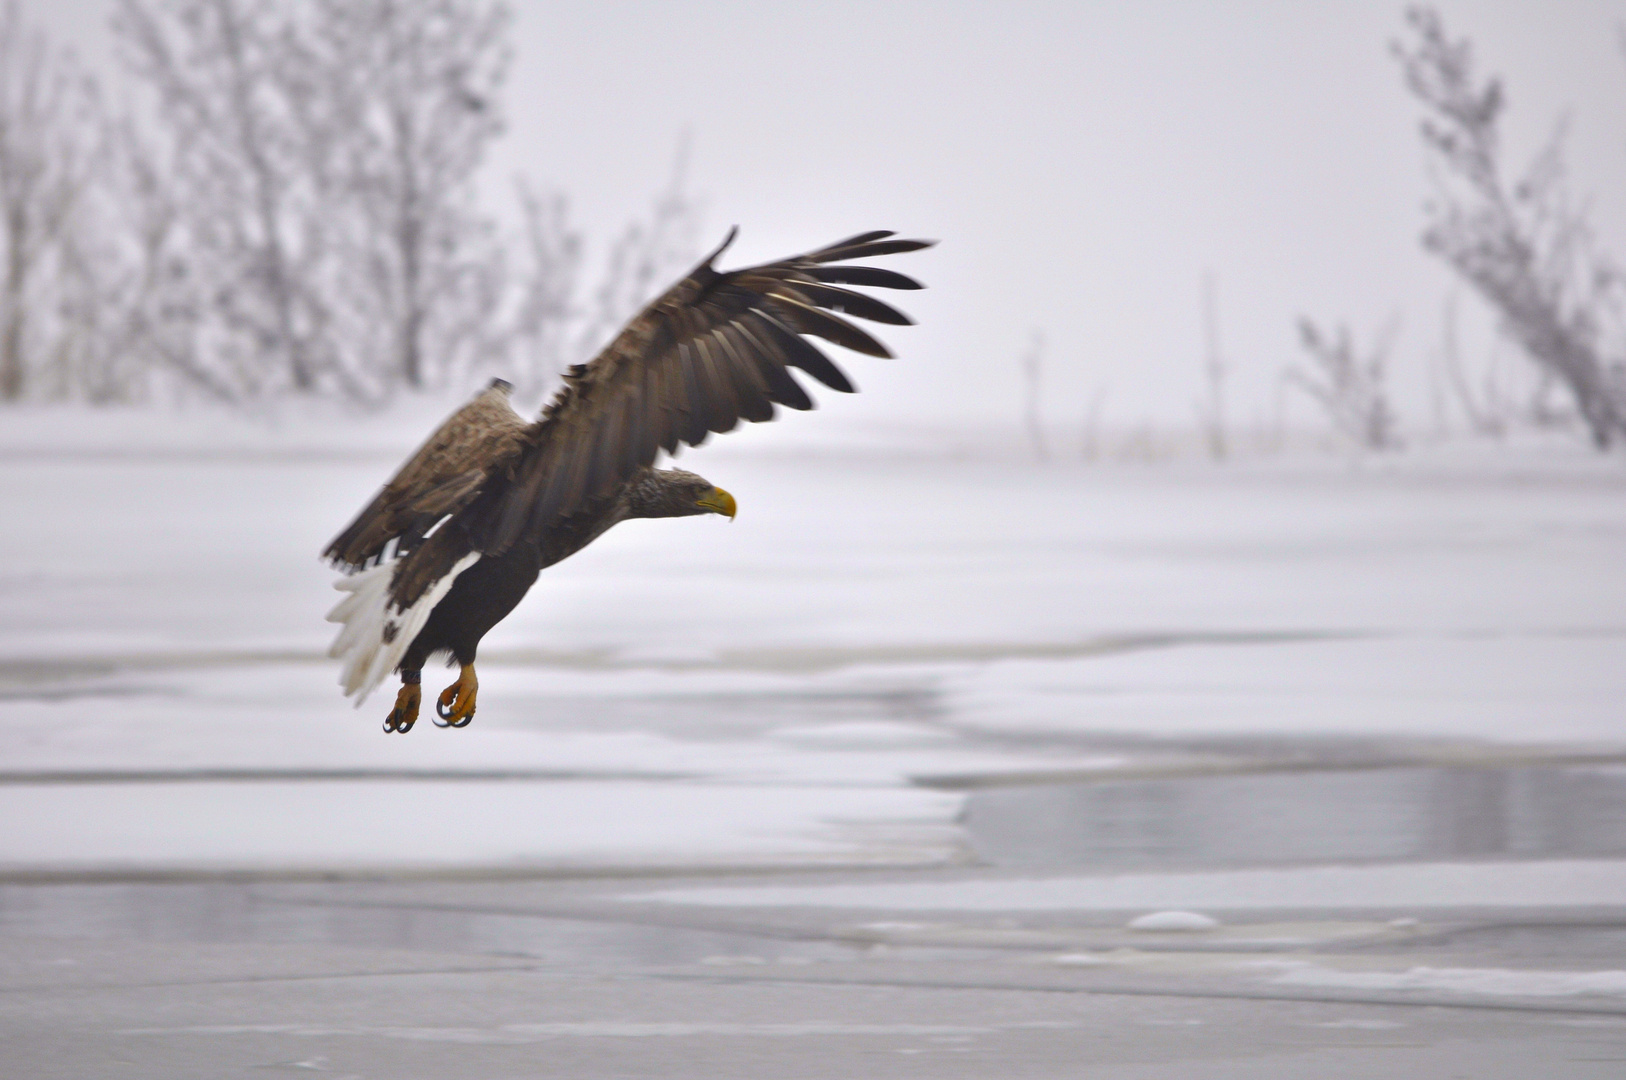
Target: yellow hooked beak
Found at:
x=717, y=501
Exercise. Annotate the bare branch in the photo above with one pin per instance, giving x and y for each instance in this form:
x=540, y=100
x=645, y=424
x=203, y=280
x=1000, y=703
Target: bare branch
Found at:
x=645, y=258
x=1351, y=390
x=1523, y=245
x=1211, y=412
x=1033, y=396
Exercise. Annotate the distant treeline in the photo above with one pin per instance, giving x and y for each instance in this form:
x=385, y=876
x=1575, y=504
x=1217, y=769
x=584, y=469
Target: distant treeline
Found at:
x=286, y=206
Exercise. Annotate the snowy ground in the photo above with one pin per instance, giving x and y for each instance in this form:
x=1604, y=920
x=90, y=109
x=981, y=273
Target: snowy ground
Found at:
x=778, y=689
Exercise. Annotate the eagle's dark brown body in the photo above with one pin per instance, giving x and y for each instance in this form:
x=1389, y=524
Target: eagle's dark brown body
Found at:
x=460, y=534
x=484, y=594
x=479, y=599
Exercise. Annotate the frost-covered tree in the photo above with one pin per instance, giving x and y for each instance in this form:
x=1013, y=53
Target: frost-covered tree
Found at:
x=1350, y=388
x=1520, y=242
x=153, y=308
x=646, y=257
x=399, y=100
x=550, y=329
x=315, y=198
x=51, y=147
x=545, y=310
x=244, y=233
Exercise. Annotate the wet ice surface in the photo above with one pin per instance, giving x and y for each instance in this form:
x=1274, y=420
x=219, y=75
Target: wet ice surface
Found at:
x=1536, y=811
x=215, y=913
x=1008, y=709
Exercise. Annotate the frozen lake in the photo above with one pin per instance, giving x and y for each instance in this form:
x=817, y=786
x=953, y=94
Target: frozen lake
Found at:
x=888, y=771
x=883, y=629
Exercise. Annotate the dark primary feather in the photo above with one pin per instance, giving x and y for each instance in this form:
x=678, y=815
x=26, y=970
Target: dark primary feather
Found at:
x=873, y=276
x=863, y=247
x=852, y=303
x=795, y=352
x=715, y=349
x=861, y=238
x=807, y=319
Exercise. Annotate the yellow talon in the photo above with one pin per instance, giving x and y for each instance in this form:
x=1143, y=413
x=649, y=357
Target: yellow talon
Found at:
x=456, y=703
x=405, y=713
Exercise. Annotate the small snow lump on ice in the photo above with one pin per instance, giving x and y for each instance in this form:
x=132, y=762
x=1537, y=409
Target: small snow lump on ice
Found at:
x=1184, y=921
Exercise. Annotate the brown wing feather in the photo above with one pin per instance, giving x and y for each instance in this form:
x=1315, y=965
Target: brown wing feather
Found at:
x=445, y=474
x=713, y=350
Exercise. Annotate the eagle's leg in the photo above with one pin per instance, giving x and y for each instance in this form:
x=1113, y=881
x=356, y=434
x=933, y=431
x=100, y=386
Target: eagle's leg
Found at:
x=405, y=713
x=456, y=704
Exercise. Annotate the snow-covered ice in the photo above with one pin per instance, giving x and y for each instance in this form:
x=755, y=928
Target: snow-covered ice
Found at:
x=1178, y=921
x=879, y=614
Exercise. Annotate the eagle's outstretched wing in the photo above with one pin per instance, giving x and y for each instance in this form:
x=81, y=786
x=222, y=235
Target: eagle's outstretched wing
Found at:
x=448, y=471
x=714, y=349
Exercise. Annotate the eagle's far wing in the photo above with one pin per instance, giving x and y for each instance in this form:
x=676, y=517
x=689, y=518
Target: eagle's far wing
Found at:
x=715, y=349
x=445, y=474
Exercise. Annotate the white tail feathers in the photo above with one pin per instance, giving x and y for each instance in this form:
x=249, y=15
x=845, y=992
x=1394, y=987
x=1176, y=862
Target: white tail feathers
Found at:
x=362, y=645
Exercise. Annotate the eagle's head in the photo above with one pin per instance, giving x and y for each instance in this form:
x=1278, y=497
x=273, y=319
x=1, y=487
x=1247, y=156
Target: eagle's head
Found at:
x=676, y=493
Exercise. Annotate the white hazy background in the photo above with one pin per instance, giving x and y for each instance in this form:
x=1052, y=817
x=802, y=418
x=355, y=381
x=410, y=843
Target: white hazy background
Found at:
x=1084, y=165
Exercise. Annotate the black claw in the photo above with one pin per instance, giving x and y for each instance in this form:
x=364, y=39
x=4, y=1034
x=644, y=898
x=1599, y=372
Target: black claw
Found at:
x=463, y=722
x=443, y=710
x=389, y=724
x=438, y=721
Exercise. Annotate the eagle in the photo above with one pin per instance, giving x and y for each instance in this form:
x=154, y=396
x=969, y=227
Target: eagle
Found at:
x=456, y=538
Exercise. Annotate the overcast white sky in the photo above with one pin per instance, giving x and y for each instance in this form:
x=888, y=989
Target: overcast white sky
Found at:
x=1082, y=163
